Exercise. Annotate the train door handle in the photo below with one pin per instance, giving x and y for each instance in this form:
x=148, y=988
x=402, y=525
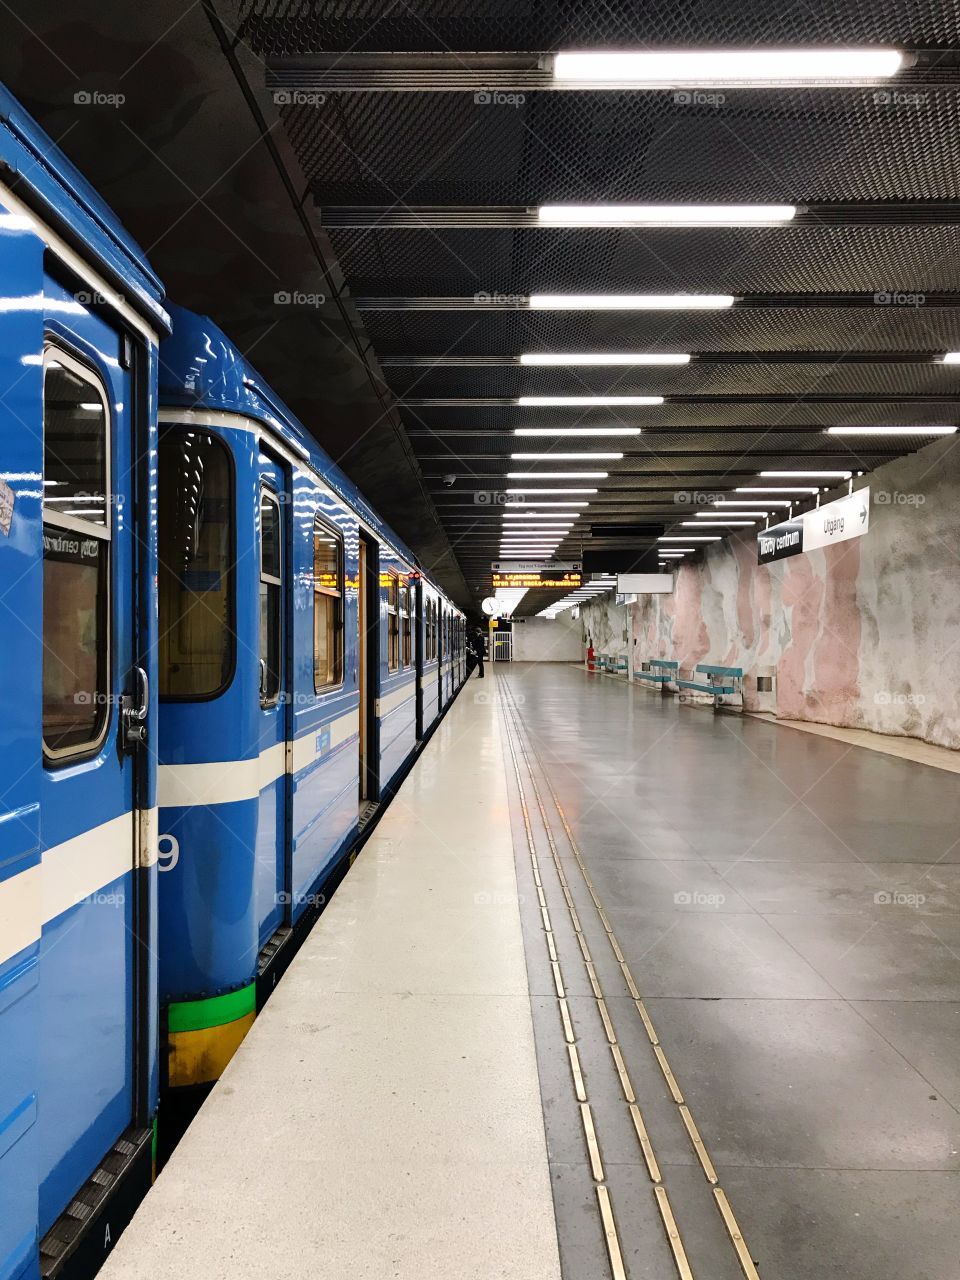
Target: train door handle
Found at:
x=135, y=708
x=143, y=688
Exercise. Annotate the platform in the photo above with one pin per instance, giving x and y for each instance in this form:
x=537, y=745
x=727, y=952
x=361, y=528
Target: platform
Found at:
x=617, y=988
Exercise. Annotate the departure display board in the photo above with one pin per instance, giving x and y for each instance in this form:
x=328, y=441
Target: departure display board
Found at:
x=533, y=575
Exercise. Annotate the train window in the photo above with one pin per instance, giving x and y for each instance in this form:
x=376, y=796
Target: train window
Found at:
x=431, y=629
x=393, y=623
x=327, y=606
x=195, y=535
x=406, y=623
x=76, y=558
x=271, y=600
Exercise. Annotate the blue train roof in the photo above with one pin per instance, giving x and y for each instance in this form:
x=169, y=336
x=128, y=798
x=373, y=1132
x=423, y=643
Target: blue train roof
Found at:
x=44, y=179
x=200, y=368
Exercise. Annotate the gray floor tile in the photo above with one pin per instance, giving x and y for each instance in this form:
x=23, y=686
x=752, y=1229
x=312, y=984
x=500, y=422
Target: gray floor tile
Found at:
x=802, y=1083
x=926, y=1033
x=902, y=955
x=846, y=888
x=859, y=1225
x=710, y=954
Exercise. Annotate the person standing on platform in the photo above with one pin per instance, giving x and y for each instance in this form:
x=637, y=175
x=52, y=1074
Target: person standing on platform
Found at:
x=477, y=650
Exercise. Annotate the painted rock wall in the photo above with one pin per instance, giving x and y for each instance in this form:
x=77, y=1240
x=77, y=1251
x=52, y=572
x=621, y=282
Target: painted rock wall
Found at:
x=863, y=635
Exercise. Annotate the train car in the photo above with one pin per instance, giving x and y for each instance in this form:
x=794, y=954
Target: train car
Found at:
x=299, y=646
x=294, y=643
x=80, y=321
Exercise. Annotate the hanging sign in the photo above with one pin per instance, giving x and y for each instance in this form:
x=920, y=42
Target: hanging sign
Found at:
x=836, y=521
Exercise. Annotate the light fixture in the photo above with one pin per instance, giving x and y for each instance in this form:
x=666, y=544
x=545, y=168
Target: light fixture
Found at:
x=557, y=475
x=806, y=475
x=550, y=489
x=891, y=431
x=529, y=457
x=685, y=537
x=717, y=524
x=664, y=215
x=552, y=360
x=951, y=357
x=585, y=402
x=767, y=502
x=775, y=488
x=630, y=301
x=700, y=67
x=736, y=511
x=568, y=432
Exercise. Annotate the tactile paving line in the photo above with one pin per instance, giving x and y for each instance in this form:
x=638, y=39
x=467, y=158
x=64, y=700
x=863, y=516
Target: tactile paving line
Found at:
x=730, y=1223
x=662, y=1200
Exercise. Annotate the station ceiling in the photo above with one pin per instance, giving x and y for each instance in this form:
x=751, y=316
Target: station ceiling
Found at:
x=394, y=156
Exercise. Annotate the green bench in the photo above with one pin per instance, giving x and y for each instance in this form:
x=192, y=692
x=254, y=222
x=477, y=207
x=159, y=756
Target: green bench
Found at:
x=720, y=682
x=613, y=664
x=660, y=672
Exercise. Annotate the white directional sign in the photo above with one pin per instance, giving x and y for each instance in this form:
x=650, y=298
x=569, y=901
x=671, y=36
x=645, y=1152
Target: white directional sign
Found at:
x=837, y=521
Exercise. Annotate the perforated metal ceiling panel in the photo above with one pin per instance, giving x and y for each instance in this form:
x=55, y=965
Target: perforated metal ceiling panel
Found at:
x=292, y=27
x=768, y=375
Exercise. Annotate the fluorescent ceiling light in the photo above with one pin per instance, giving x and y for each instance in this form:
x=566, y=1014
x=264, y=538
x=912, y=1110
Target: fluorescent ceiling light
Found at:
x=767, y=502
x=891, y=431
x=807, y=475
x=585, y=402
x=568, y=432
x=630, y=301
x=699, y=67
x=528, y=457
x=550, y=489
x=719, y=524
x=685, y=537
x=557, y=475
x=712, y=515
x=775, y=488
x=951, y=357
x=663, y=215
x=550, y=359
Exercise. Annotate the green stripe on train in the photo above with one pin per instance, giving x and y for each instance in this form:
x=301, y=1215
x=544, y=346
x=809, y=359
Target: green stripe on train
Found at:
x=198, y=1015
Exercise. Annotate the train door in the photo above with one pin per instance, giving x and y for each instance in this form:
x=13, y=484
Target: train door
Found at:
x=94, y=705
x=441, y=655
x=368, y=596
x=418, y=640
x=271, y=875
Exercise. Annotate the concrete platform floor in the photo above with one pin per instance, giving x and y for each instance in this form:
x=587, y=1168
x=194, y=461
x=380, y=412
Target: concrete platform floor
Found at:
x=789, y=908
x=382, y=1118
x=454, y=1076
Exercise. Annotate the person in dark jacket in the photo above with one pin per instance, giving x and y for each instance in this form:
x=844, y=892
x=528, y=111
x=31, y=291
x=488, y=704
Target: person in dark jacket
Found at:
x=476, y=646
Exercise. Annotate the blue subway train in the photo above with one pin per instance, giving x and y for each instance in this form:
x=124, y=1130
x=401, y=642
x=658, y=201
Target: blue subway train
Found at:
x=218, y=663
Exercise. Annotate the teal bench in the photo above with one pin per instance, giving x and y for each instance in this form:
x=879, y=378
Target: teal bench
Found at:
x=615, y=666
x=720, y=683
x=661, y=672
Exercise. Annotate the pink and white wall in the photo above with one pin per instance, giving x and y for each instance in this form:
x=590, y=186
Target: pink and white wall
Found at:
x=863, y=635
